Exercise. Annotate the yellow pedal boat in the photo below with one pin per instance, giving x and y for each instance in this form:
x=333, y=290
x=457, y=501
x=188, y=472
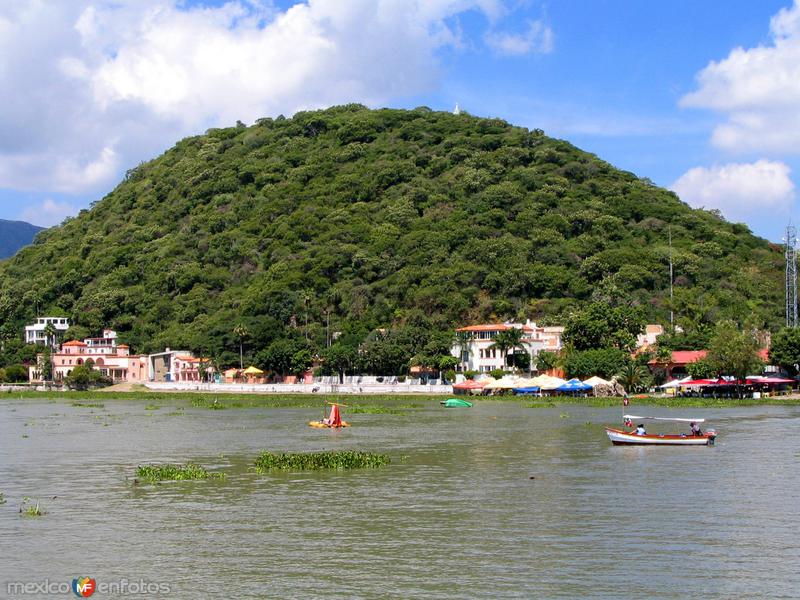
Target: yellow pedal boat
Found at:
x=321, y=425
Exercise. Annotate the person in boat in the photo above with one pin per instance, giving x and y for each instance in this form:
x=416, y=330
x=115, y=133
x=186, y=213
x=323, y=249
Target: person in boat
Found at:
x=696, y=431
x=640, y=430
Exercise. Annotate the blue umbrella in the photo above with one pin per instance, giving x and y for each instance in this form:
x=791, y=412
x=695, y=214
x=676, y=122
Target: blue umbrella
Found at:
x=574, y=385
x=526, y=390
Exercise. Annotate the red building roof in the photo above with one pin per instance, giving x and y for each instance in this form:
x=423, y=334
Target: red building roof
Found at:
x=683, y=357
x=498, y=327
x=73, y=343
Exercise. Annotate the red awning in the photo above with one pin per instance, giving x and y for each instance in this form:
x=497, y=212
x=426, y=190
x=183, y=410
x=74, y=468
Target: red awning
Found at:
x=699, y=382
x=471, y=384
x=769, y=380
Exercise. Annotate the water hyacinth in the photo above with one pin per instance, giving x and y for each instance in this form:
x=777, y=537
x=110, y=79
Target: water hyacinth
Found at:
x=308, y=461
x=175, y=472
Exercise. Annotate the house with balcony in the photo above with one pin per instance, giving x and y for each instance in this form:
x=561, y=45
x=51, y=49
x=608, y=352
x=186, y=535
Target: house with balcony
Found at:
x=474, y=346
x=35, y=333
x=111, y=359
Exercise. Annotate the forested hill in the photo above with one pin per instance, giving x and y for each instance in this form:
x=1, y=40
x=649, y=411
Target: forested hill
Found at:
x=411, y=221
x=14, y=235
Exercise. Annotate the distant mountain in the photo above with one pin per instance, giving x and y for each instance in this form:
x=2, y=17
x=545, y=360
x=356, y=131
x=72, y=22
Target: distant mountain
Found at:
x=14, y=235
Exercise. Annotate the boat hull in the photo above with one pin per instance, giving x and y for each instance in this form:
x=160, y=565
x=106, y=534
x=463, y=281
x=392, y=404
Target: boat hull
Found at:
x=321, y=425
x=625, y=438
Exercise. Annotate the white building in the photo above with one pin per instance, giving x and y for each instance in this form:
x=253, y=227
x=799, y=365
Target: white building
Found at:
x=34, y=334
x=476, y=353
x=650, y=335
x=179, y=365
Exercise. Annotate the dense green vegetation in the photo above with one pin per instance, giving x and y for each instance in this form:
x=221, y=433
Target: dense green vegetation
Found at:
x=387, y=227
x=308, y=461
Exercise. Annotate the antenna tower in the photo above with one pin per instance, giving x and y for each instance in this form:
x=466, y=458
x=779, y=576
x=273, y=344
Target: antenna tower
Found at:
x=791, y=276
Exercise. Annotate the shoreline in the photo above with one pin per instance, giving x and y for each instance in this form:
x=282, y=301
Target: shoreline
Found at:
x=301, y=400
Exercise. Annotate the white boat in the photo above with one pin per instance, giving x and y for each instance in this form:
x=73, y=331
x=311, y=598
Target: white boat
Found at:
x=620, y=437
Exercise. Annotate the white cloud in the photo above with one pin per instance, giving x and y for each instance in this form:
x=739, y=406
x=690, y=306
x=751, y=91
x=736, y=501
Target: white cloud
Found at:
x=538, y=38
x=740, y=190
x=91, y=88
x=47, y=213
x=758, y=89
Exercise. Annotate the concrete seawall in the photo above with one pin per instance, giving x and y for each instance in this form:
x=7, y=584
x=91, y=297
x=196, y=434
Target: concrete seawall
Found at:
x=303, y=388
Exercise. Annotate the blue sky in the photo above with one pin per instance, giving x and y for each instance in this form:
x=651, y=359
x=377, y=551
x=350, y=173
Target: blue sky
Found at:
x=700, y=97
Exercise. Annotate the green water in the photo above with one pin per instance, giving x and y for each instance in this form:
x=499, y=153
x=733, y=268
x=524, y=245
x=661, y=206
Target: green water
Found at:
x=493, y=501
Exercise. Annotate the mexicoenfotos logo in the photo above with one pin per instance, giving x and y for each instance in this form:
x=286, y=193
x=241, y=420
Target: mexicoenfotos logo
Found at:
x=84, y=586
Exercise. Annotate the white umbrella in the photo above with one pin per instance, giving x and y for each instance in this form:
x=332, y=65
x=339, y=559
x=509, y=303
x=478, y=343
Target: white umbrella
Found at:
x=595, y=381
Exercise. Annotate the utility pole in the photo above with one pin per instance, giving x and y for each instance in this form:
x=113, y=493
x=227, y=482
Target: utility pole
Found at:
x=671, y=277
x=791, y=276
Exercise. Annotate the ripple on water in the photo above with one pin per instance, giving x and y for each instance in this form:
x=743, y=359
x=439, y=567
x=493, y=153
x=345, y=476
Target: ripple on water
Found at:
x=456, y=514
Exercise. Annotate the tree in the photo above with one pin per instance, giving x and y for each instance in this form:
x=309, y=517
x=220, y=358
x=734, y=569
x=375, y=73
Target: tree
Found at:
x=47, y=365
x=785, y=349
x=50, y=335
x=733, y=352
x=634, y=377
x=16, y=374
x=241, y=332
x=84, y=376
x=509, y=340
x=701, y=369
x=340, y=358
x=546, y=360
x=605, y=362
x=600, y=325
x=301, y=361
x=463, y=341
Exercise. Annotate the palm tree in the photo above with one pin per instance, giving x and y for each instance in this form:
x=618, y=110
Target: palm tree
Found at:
x=463, y=341
x=50, y=335
x=633, y=377
x=509, y=341
x=241, y=331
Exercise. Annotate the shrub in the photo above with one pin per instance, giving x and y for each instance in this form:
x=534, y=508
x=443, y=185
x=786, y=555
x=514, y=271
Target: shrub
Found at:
x=16, y=374
x=497, y=373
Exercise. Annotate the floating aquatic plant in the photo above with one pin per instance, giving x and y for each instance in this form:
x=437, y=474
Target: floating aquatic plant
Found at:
x=308, y=461
x=153, y=473
x=28, y=509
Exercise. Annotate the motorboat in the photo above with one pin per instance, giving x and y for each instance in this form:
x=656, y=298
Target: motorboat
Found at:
x=621, y=437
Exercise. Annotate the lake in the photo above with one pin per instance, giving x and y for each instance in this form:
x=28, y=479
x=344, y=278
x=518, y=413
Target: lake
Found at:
x=495, y=501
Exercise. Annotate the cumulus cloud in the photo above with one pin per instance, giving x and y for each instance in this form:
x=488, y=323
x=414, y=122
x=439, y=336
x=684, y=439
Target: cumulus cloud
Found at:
x=47, y=213
x=739, y=190
x=758, y=89
x=538, y=38
x=91, y=88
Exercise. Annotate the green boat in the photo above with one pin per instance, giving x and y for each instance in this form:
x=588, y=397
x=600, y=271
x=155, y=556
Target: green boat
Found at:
x=455, y=403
